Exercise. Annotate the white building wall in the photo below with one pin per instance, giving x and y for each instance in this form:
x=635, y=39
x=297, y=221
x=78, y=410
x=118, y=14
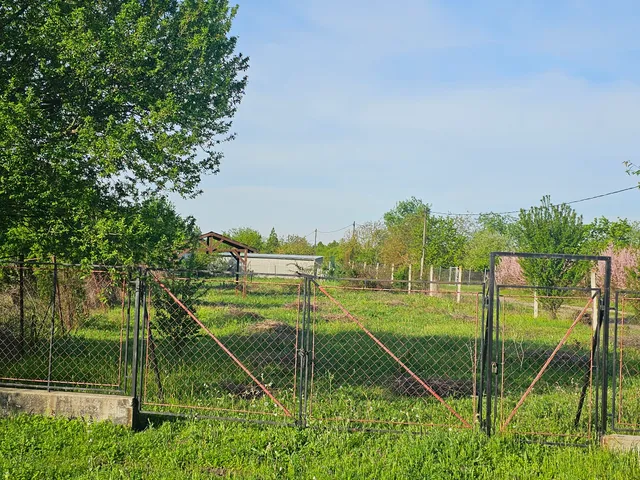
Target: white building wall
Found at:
x=276, y=266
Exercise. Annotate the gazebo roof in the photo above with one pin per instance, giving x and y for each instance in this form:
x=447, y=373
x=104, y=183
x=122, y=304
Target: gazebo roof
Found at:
x=215, y=240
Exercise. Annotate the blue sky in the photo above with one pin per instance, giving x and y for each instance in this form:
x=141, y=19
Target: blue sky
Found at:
x=471, y=106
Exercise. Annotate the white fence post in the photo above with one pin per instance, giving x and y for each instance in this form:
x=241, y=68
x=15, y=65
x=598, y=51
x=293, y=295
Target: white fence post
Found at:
x=432, y=286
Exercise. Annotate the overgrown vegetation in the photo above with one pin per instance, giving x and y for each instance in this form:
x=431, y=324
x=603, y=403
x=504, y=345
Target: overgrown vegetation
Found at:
x=37, y=447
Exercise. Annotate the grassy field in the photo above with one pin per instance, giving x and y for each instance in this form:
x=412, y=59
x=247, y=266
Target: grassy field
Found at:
x=38, y=447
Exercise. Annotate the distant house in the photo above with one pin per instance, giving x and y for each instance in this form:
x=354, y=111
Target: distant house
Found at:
x=274, y=264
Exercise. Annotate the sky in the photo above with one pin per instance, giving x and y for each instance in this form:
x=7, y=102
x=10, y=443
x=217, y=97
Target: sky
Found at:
x=471, y=106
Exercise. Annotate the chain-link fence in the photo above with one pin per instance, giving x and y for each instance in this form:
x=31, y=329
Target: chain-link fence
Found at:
x=375, y=354
x=63, y=327
x=626, y=362
x=384, y=358
x=220, y=347
x=434, y=274
x=546, y=364
x=295, y=350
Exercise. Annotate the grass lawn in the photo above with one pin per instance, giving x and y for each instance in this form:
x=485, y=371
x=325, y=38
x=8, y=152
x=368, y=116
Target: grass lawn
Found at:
x=38, y=447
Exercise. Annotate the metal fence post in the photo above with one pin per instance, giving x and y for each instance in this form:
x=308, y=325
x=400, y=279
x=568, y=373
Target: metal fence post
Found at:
x=136, y=342
x=53, y=323
x=614, y=364
x=304, y=351
x=488, y=360
x=127, y=334
x=21, y=302
x=606, y=305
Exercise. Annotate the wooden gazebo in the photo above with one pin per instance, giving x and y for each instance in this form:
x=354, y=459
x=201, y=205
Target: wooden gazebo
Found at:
x=217, y=243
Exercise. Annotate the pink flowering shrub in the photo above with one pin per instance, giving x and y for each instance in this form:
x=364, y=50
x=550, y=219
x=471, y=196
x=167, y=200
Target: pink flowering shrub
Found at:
x=509, y=272
x=624, y=267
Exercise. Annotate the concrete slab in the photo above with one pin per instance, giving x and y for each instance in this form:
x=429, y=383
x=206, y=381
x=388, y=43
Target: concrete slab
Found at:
x=621, y=443
x=115, y=408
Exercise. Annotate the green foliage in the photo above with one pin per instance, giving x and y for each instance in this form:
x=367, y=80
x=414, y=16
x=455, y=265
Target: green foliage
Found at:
x=103, y=104
x=632, y=168
x=552, y=228
x=170, y=318
x=151, y=233
x=332, y=253
x=480, y=245
x=503, y=224
x=370, y=237
x=444, y=243
x=604, y=232
x=248, y=236
x=272, y=243
x=295, y=245
x=41, y=447
x=404, y=210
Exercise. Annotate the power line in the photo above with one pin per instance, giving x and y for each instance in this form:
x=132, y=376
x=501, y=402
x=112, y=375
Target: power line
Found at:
x=338, y=230
x=511, y=212
x=469, y=214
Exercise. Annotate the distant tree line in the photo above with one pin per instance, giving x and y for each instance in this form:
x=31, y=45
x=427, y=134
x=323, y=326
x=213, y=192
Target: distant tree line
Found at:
x=409, y=230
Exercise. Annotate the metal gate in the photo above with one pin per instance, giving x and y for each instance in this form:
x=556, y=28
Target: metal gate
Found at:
x=389, y=356
x=544, y=374
x=625, y=378
x=217, y=356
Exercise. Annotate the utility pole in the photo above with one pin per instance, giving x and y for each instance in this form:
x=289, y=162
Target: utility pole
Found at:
x=315, y=242
x=424, y=239
x=354, y=230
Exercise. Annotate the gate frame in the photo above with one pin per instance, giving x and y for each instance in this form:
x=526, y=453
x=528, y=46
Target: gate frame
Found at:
x=142, y=286
x=468, y=423
x=614, y=365
x=488, y=365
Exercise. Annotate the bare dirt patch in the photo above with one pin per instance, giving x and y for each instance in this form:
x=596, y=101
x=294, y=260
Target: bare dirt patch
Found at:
x=273, y=328
x=297, y=306
x=239, y=313
x=444, y=387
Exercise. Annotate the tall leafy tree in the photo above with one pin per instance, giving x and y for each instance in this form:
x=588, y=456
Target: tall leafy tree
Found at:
x=105, y=103
x=248, y=236
x=604, y=232
x=295, y=245
x=272, y=243
x=503, y=224
x=480, y=245
x=444, y=242
x=551, y=228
